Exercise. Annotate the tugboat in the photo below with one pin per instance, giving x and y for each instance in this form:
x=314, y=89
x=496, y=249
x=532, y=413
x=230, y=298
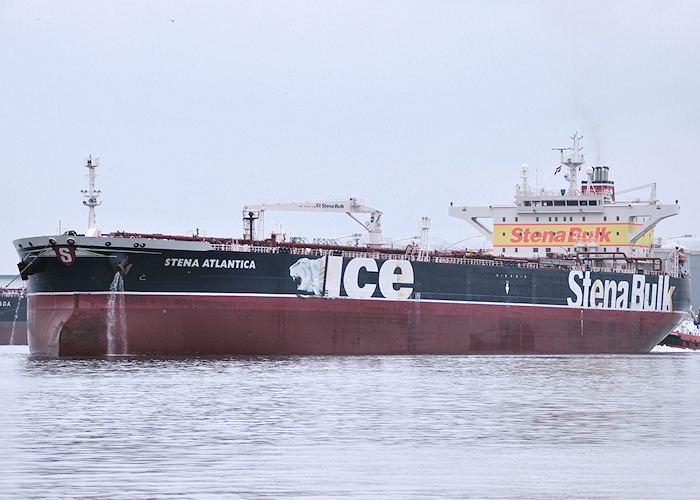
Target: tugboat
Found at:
x=577, y=271
x=686, y=335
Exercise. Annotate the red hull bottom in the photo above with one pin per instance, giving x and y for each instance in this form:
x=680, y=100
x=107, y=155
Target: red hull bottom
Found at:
x=87, y=324
x=19, y=337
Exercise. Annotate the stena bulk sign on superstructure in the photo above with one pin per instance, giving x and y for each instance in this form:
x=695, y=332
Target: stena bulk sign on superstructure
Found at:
x=533, y=235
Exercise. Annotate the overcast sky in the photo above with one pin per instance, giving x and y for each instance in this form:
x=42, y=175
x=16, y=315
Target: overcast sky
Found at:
x=198, y=108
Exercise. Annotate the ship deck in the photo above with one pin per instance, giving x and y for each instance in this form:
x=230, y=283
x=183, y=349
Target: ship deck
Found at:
x=616, y=262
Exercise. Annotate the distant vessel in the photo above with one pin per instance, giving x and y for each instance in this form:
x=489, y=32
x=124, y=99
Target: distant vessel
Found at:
x=578, y=273
x=13, y=316
x=686, y=335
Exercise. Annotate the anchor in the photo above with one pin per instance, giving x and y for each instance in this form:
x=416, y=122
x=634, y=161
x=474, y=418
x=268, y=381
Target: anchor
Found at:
x=123, y=267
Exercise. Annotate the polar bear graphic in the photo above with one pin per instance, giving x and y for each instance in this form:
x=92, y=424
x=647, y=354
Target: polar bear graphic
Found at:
x=307, y=274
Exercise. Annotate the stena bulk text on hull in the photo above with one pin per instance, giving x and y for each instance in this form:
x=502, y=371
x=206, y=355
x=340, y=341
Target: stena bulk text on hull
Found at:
x=594, y=292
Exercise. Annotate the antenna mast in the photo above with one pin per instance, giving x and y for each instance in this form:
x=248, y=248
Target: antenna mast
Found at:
x=92, y=197
x=573, y=160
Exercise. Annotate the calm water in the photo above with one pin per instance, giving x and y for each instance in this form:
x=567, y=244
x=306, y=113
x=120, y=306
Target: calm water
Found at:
x=350, y=427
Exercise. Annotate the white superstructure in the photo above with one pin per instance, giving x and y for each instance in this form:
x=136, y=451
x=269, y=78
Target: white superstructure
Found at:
x=586, y=217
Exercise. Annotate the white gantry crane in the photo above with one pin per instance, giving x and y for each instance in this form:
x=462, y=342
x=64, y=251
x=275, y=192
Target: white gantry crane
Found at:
x=251, y=213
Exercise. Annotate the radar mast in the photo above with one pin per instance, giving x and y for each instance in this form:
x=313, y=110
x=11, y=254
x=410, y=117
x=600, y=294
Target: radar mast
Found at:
x=92, y=196
x=573, y=159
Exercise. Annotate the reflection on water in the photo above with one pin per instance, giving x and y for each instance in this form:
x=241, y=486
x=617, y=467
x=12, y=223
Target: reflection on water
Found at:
x=350, y=427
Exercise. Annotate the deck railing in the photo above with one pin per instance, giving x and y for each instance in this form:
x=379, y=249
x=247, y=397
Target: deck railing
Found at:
x=378, y=254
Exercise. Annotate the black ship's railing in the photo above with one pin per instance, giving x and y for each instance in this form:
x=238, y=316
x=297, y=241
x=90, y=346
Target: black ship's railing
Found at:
x=376, y=254
x=616, y=262
x=650, y=265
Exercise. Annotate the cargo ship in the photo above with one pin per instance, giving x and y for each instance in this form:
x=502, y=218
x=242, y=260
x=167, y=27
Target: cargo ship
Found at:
x=572, y=271
x=13, y=316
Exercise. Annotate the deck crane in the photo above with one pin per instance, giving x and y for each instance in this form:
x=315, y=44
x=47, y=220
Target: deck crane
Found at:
x=652, y=196
x=351, y=206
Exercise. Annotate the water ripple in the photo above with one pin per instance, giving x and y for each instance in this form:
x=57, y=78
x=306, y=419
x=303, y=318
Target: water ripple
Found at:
x=348, y=427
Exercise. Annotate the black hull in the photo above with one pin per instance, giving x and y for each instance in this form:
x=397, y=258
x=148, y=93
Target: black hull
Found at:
x=443, y=302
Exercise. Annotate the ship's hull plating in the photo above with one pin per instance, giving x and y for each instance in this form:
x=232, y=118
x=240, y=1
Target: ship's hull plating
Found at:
x=87, y=324
x=94, y=300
